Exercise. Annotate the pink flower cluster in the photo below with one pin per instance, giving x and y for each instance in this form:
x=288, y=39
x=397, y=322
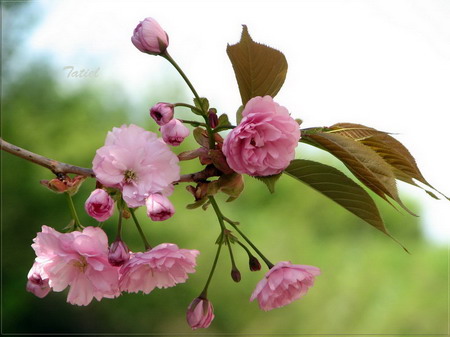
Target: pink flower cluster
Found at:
x=136, y=162
x=264, y=142
x=79, y=260
x=172, y=130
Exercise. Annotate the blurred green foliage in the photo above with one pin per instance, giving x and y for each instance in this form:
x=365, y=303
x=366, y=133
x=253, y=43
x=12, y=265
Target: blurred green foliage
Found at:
x=369, y=285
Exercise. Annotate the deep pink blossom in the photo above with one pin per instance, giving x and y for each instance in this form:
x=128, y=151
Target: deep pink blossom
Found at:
x=99, y=205
x=200, y=313
x=163, y=266
x=137, y=162
x=159, y=207
x=264, y=142
x=284, y=283
x=78, y=260
x=162, y=113
x=174, y=132
x=37, y=283
x=149, y=37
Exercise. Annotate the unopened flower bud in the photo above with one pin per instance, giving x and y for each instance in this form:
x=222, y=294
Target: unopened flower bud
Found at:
x=174, y=132
x=162, y=113
x=200, y=313
x=253, y=263
x=37, y=284
x=150, y=38
x=126, y=214
x=99, y=205
x=235, y=275
x=213, y=119
x=118, y=253
x=159, y=207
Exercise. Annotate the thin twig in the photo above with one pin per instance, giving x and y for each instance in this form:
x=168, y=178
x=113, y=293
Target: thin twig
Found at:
x=55, y=166
x=201, y=176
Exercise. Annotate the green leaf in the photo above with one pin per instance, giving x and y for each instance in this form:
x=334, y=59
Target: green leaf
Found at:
x=223, y=124
x=201, y=137
x=202, y=104
x=362, y=161
x=239, y=114
x=338, y=187
x=270, y=181
x=387, y=147
x=260, y=70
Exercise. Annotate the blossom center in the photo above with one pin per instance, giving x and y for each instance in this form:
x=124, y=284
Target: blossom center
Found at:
x=81, y=264
x=129, y=176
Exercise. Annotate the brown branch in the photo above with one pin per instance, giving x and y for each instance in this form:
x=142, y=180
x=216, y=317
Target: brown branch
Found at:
x=59, y=168
x=201, y=176
x=55, y=166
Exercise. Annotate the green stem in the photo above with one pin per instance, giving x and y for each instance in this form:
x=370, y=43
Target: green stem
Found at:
x=181, y=72
x=193, y=123
x=218, y=212
x=233, y=263
x=189, y=106
x=245, y=248
x=141, y=233
x=73, y=211
x=268, y=263
x=212, y=143
x=204, y=292
x=119, y=227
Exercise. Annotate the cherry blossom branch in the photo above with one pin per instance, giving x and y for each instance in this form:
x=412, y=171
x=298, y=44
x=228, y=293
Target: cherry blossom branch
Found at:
x=55, y=166
x=58, y=167
x=201, y=176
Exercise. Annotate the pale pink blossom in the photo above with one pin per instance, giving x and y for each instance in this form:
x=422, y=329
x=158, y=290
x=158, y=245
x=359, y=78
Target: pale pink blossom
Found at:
x=137, y=162
x=162, y=113
x=200, y=313
x=149, y=37
x=78, y=260
x=163, y=266
x=99, y=205
x=118, y=253
x=159, y=207
x=264, y=142
x=174, y=132
x=284, y=283
x=37, y=283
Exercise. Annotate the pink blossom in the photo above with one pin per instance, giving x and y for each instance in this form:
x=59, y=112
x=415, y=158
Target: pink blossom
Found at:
x=200, y=313
x=284, y=283
x=99, y=205
x=149, y=37
x=163, y=266
x=174, y=132
x=38, y=281
x=162, y=113
x=159, y=208
x=118, y=253
x=264, y=142
x=137, y=162
x=78, y=260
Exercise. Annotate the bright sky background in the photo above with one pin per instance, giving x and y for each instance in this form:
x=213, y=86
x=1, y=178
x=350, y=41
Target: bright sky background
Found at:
x=381, y=63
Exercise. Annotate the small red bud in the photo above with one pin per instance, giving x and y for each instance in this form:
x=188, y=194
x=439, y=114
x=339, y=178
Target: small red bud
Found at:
x=235, y=275
x=254, y=264
x=213, y=119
